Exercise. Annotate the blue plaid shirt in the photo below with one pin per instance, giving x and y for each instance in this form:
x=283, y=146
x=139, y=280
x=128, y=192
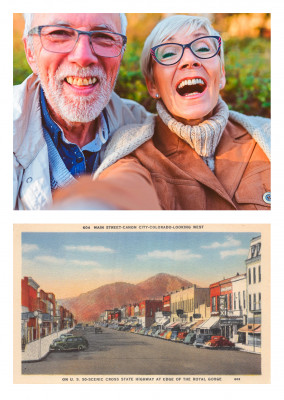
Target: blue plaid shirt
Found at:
x=77, y=160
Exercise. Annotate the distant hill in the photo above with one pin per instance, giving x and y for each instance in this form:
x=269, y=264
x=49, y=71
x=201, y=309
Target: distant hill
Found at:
x=88, y=306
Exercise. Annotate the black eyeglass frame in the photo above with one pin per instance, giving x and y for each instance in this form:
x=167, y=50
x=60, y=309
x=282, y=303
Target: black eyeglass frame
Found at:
x=37, y=31
x=184, y=46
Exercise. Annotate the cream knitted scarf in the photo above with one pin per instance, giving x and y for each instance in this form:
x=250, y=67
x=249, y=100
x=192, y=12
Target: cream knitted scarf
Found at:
x=203, y=138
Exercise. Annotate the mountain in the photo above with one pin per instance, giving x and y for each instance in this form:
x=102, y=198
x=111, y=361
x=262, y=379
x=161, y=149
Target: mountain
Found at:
x=88, y=306
x=161, y=284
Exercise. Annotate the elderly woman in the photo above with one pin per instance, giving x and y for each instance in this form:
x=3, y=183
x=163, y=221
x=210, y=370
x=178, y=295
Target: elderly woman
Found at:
x=195, y=154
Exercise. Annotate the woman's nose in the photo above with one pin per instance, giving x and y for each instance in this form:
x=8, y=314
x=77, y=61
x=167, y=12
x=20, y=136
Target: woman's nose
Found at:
x=189, y=60
x=83, y=54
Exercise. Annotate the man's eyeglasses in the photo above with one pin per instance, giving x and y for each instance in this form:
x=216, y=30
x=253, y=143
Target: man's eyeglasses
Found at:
x=171, y=53
x=61, y=39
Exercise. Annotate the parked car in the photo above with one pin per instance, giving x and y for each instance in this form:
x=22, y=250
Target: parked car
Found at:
x=174, y=336
x=168, y=335
x=180, y=336
x=70, y=343
x=65, y=335
x=79, y=326
x=201, y=339
x=98, y=329
x=190, y=338
x=162, y=334
x=219, y=341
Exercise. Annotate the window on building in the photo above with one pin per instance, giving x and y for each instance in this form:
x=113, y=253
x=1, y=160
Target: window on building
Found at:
x=254, y=301
x=235, y=301
x=239, y=298
x=230, y=302
x=254, y=275
x=250, y=302
x=259, y=273
x=249, y=271
x=244, y=299
x=258, y=249
x=214, y=303
x=259, y=301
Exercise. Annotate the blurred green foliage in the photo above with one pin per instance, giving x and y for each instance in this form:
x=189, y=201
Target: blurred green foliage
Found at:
x=247, y=64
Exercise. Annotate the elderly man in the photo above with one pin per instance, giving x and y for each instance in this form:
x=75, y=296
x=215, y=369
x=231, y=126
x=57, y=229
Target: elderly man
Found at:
x=65, y=112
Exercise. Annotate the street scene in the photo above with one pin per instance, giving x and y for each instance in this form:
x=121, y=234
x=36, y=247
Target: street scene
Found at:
x=192, y=305
x=117, y=352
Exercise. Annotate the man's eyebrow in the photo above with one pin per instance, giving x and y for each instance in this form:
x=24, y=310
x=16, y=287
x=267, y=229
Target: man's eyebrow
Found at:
x=102, y=27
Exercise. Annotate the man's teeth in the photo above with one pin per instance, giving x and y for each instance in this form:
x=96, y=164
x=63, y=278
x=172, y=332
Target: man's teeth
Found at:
x=81, y=81
x=191, y=82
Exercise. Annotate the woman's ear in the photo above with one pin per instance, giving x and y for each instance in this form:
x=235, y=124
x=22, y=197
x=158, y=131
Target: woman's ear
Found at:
x=30, y=55
x=222, y=78
x=152, y=89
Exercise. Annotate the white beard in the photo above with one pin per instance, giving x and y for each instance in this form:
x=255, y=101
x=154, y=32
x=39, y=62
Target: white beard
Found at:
x=76, y=108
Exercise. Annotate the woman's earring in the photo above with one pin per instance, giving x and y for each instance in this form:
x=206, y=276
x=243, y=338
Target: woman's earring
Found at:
x=157, y=96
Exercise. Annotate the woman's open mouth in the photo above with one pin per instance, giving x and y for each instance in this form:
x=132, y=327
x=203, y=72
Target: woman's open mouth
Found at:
x=191, y=87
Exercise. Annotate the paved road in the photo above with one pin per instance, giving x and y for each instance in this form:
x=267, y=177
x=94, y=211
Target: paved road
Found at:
x=124, y=353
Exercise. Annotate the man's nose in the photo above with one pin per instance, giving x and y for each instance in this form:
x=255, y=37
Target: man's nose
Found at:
x=83, y=54
x=189, y=60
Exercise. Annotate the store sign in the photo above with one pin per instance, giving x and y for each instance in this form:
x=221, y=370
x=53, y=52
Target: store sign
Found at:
x=230, y=321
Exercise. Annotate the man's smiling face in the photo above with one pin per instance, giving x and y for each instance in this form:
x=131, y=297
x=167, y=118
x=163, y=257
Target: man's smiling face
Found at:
x=77, y=85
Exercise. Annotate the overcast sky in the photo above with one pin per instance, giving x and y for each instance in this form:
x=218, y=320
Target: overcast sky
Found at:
x=69, y=264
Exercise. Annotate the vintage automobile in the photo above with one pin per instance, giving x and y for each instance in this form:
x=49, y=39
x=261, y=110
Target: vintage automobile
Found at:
x=201, y=339
x=180, y=336
x=219, y=342
x=98, y=329
x=70, y=343
x=190, y=338
x=65, y=335
x=174, y=336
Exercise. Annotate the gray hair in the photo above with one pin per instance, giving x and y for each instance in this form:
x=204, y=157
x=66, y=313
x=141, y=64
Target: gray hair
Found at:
x=29, y=20
x=169, y=27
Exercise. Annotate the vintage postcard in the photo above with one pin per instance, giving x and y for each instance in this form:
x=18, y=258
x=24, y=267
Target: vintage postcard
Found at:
x=142, y=303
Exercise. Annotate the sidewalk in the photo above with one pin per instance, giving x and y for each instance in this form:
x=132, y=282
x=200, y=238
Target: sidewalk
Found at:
x=248, y=349
x=37, y=350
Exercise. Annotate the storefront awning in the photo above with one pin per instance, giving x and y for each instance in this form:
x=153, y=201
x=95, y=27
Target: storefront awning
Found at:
x=212, y=322
x=196, y=324
x=251, y=328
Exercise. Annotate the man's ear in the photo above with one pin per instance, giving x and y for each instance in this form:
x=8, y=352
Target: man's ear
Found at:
x=222, y=78
x=30, y=55
x=151, y=86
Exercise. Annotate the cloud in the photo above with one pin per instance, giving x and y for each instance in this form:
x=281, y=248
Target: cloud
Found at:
x=27, y=248
x=48, y=261
x=230, y=242
x=90, y=249
x=237, y=252
x=177, y=255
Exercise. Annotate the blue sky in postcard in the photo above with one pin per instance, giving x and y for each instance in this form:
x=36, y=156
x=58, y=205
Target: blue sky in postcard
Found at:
x=73, y=263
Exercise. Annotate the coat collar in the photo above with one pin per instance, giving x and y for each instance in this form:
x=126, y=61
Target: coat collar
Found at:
x=235, y=145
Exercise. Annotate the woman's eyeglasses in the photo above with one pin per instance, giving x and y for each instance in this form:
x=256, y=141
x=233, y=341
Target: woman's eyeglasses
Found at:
x=171, y=53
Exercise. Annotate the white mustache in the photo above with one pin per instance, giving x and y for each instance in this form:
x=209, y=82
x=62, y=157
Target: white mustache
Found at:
x=85, y=72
